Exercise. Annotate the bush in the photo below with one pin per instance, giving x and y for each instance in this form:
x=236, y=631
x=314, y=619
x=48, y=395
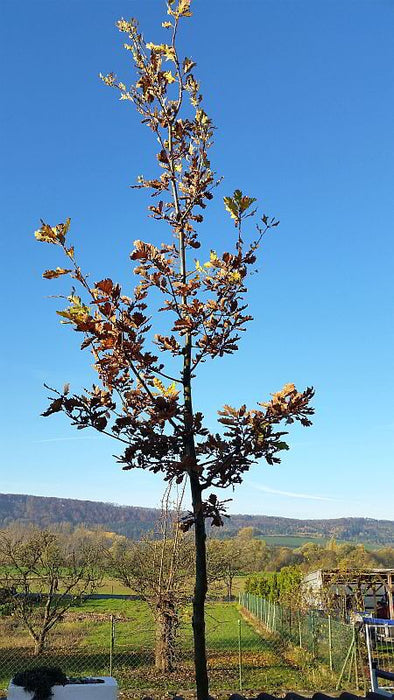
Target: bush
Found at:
x=275, y=587
x=40, y=681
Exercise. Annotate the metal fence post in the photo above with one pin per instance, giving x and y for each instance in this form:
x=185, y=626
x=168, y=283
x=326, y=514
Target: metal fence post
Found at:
x=111, y=643
x=299, y=631
x=313, y=634
x=240, y=653
x=330, y=642
x=273, y=618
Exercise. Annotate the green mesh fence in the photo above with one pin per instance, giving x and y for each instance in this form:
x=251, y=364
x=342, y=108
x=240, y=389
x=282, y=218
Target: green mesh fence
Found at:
x=252, y=647
x=324, y=642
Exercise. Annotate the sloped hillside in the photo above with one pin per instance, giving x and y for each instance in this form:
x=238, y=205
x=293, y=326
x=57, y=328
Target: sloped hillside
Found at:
x=133, y=521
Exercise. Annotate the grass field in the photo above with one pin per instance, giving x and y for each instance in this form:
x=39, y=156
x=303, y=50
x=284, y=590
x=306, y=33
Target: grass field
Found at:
x=81, y=646
x=113, y=587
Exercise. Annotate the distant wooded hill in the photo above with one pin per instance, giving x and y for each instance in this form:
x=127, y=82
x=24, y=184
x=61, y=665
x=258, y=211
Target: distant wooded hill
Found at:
x=133, y=521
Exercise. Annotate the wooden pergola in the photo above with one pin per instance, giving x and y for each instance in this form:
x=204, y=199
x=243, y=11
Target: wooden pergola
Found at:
x=366, y=581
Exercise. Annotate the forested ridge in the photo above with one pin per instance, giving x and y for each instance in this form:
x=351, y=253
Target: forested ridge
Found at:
x=133, y=521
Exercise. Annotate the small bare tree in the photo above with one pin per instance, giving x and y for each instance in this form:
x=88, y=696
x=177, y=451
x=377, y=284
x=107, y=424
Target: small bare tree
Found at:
x=225, y=562
x=146, y=405
x=43, y=580
x=159, y=569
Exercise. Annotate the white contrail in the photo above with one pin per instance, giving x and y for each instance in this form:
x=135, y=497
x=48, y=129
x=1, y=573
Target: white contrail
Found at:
x=62, y=439
x=293, y=494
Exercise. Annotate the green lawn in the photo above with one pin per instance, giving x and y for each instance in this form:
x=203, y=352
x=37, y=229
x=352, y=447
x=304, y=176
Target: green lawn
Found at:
x=114, y=587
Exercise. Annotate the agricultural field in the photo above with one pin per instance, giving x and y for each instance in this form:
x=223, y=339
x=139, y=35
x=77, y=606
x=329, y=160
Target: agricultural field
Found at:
x=292, y=541
x=239, y=655
x=112, y=587
x=296, y=541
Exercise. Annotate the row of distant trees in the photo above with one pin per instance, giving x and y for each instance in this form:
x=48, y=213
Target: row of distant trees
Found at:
x=43, y=573
x=335, y=554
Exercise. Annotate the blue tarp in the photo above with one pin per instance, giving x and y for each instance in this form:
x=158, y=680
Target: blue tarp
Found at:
x=377, y=621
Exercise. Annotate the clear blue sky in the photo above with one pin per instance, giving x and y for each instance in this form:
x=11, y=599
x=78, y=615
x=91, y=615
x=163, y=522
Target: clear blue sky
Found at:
x=302, y=95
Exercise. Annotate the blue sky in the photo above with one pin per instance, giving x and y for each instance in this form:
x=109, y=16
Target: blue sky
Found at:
x=302, y=95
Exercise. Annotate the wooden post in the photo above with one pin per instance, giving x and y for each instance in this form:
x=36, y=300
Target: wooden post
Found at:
x=374, y=601
x=355, y=655
x=390, y=590
x=349, y=652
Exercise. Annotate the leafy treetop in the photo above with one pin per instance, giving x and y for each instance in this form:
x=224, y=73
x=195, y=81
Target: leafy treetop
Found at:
x=137, y=399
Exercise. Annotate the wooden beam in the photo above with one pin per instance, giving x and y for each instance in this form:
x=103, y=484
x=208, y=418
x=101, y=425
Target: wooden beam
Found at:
x=390, y=595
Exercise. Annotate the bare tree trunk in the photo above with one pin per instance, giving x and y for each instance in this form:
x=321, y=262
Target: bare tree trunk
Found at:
x=201, y=584
x=39, y=644
x=200, y=592
x=230, y=589
x=166, y=624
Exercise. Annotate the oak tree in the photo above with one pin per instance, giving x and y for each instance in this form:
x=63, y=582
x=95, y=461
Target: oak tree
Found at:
x=139, y=399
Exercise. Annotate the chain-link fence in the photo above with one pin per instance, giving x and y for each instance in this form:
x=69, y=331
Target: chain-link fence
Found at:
x=251, y=647
x=323, y=642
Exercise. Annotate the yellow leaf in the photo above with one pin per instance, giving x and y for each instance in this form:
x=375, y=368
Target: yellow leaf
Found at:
x=183, y=9
x=201, y=117
x=159, y=385
x=46, y=234
x=51, y=274
x=231, y=207
x=169, y=53
x=128, y=27
x=155, y=47
x=187, y=65
x=53, y=234
x=77, y=312
x=169, y=77
x=163, y=50
x=171, y=391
